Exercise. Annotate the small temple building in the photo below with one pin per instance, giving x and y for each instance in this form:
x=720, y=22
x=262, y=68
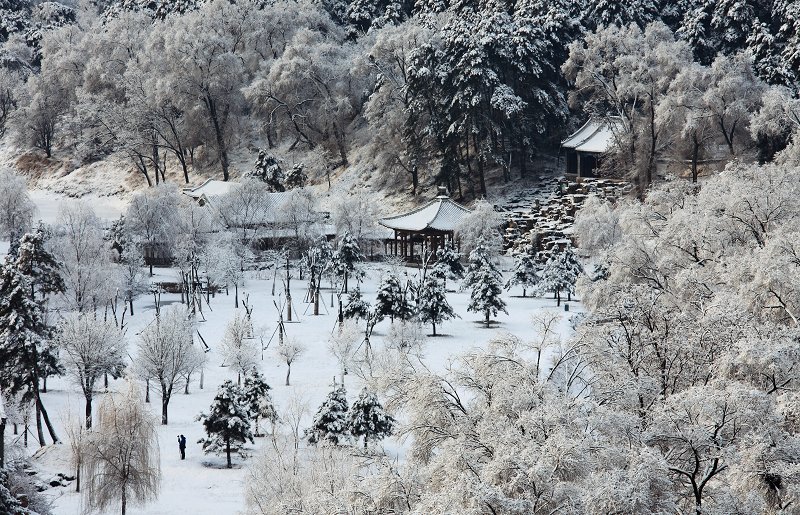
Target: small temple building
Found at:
x=584, y=149
x=422, y=231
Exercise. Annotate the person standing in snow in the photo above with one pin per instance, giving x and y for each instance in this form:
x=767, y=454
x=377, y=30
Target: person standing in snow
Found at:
x=182, y=446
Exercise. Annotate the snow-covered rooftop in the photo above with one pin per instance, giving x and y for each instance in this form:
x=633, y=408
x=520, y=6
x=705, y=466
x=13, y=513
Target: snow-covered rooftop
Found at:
x=594, y=137
x=440, y=214
x=210, y=188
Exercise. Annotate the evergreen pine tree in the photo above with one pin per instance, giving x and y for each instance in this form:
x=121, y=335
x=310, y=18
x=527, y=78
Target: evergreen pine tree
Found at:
x=356, y=307
x=367, y=418
x=347, y=257
x=485, y=283
x=525, y=270
x=449, y=260
x=34, y=260
x=268, y=170
x=228, y=422
x=296, y=177
x=560, y=273
x=432, y=305
x=330, y=422
x=392, y=300
x=258, y=400
x=25, y=355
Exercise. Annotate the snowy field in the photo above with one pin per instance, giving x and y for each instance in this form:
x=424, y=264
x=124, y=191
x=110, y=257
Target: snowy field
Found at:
x=201, y=484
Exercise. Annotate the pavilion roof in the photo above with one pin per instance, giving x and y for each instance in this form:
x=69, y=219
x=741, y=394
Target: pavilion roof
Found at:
x=594, y=137
x=440, y=214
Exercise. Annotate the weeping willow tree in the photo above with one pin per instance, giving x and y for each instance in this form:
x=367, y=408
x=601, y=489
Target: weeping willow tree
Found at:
x=122, y=462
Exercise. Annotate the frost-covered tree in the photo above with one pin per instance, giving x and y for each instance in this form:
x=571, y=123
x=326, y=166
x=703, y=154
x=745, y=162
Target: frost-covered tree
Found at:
x=525, y=272
x=258, y=400
x=121, y=461
x=367, y=419
x=133, y=275
x=347, y=258
x=432, y=305
x=148, y=219
x=329, y=426
x=485, y=283
x=560, y=273
x=238, y=346
x=227, y=423
x=90, y=348
x=392, y=299
x=165, y=352
x=244, y=208
x=84, y=256
x=289, y=352
x=343, y=344
x=480, y=227
x=16, y=207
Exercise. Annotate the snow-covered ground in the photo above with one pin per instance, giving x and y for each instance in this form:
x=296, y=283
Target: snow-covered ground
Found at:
x=201, y=484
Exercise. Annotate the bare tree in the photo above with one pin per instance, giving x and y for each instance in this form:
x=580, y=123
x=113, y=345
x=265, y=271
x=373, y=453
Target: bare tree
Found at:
x=91, y=348
x=166, y=353
x=122, y=458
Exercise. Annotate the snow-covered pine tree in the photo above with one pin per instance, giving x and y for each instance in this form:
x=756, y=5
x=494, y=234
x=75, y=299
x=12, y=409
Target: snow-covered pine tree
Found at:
x=33, y=259
x=432, y=305
x=296, y=177
x=560, y=273
x=356, y=307
x=258, y=400
x=485, y=283
x=25, y=355
x=525, y=271
x=268, y=170
x=228, y=422
x=347, y=257
x=449, y=260
x=367, y=418
x=392, y=300
x=330, y=422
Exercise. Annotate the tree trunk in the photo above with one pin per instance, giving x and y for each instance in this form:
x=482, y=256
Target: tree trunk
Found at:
x=164, y=404
x=219, y=135
x=88, y=411
x=2, y=442
x=124, y=500
x=78, y=477
x=44, y=384
x=558, y=297
x=47, y=422
x=288, y=372
x=434, y=328
x=488, y=320
x=236, y=294
x=228, y=451
x=130, y=300
x=695, y=153
x=146, y=390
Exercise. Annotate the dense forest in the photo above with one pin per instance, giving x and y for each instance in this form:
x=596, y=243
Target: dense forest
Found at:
x=411, y=93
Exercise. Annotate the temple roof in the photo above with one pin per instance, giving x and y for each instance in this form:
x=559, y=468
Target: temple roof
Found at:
x=595, y=137
x=440, y=214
